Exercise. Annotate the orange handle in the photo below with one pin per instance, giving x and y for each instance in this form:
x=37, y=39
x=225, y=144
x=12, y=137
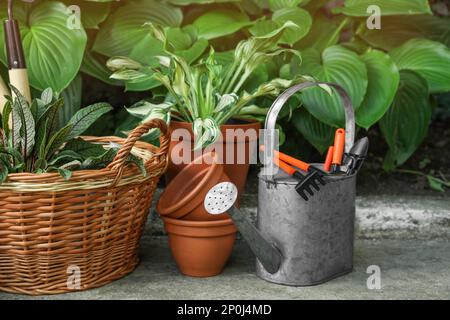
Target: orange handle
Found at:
x=285, y=167
x=328, y=159
x=290, y=160
x=339, y=145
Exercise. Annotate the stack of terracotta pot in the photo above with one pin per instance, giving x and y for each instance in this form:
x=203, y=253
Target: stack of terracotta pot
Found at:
x=201, y=243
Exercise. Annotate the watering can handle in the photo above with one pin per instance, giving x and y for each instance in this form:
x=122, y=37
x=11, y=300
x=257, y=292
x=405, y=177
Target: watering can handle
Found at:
x=270, y=134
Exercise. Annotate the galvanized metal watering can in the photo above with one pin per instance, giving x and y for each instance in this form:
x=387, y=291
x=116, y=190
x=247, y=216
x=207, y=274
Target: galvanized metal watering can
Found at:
x=296, y=242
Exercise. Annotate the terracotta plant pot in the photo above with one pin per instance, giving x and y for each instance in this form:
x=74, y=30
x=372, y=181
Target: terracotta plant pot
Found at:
x=237, y=172
x=184, y=196
x=201, y=248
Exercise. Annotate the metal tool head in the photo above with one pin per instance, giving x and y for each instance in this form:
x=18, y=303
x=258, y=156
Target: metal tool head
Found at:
x=354, y=159
x=220, y=198
x=309, y=181
x=361, y=147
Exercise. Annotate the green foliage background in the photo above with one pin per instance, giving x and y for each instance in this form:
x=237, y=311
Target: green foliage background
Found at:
x=391, y=74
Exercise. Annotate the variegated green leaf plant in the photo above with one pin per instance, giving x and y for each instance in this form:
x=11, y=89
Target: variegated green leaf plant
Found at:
x=207, y=94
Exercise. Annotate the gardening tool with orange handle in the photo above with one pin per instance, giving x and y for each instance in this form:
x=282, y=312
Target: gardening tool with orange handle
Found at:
x=312, y=179
x=288, y=169
x=338, y=149
x=289, y=160
x=328, y=159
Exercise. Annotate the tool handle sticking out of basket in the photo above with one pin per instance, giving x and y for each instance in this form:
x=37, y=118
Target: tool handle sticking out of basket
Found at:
x=119, y=161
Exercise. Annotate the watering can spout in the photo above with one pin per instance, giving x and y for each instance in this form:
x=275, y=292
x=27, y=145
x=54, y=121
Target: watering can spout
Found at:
x=221, y=199
x=264, y=249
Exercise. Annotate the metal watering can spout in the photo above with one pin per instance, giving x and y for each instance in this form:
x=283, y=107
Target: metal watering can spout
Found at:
x=221, y=199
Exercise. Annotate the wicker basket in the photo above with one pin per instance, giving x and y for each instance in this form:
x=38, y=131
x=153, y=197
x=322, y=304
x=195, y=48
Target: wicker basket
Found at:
x=59, y=236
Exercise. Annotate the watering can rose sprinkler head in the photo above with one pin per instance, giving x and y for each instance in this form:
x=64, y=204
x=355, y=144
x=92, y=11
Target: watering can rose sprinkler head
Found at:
x=221, y=199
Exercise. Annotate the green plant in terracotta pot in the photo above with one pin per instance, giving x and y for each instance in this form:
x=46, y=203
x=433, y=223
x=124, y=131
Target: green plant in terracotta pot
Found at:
x=206, y=99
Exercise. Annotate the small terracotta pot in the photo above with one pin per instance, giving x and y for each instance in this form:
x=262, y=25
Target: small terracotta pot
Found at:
x=184, y=196
x=235, y=171
x=201, y=249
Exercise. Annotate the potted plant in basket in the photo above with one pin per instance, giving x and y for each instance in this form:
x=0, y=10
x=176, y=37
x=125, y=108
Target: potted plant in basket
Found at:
x=70, y=201
x=208, y=98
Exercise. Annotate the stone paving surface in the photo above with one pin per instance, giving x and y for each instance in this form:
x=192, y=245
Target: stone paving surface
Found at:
x=410, y=269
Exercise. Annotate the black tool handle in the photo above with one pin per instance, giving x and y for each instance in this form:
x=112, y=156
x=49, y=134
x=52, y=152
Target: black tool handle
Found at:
x=18, y=74
x=14, y=49
x=266, y=252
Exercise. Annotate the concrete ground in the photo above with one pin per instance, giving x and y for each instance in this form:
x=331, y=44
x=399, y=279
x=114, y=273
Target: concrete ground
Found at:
x=410, y=269
x=408, y=237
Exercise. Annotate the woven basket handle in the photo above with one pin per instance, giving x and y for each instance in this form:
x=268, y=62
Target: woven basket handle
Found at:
x=118, y=164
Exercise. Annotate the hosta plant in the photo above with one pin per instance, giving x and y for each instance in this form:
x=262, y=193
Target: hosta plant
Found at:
x=210, y=92
x=31, y=140
x=380, y=68
x=389, y=73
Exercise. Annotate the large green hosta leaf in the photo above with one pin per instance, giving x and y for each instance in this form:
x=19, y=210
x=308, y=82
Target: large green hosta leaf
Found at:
x=218, y=23
x=429, y=59
x=92, y=13
x=53, y=52
x=317, y=133
x=300, y=17
x=281, y=4
x=314, y=6
x=188, y=2
x=384, y=79
x=339, y=65
x=123, y=30
x=182, y=41
x=358, y=8
x=399, y=29
x=186, y=42
x=406, y=123
x=324, y=33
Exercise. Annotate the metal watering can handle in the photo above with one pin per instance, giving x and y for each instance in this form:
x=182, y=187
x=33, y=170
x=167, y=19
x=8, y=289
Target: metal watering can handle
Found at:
x=269, y=133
